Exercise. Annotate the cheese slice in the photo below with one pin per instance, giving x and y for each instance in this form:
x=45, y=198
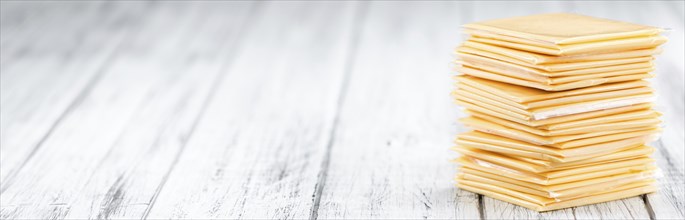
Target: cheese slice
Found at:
x=624, y=116
x=639, y=115
x=477, y=94
x=562, y=191
x=558, y=107
x=571, y=162
x=552, y=157
x=551, y=112
x=557, y=87
x=596, y=73
x=531, y=166
x=555, y=120
x=531, y=59
x=549, y=190
x=563, y=141
x=563, y=28
x=572, y=49
x=555, y=177
x=555, y=67
x=542, y=204
x=531, y=73
x=628, y=124
x=522, y=94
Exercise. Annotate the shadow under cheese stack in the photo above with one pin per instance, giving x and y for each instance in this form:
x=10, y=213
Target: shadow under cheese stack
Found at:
x=559, y=110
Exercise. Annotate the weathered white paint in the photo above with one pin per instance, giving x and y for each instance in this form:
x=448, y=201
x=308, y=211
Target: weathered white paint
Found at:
x=43, y=75
x=388, y=158
x=257, y=150
x=112, y=150
x=267, y=110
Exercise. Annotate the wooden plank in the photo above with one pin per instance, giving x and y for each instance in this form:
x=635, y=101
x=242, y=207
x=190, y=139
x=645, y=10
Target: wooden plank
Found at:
x=111, y=152
x=496, y=209
x=390, y=153
x=257, y=150
x=49, y=60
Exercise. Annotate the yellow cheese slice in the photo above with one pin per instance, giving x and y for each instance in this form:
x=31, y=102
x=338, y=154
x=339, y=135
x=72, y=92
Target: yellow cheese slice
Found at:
x=552, y=178
x=553, y=111
x=564, y=141
x=562, y=191
x=643, y=114
x=522, y=119
x=601, y=157
x=563, y=28
x=530, y=73
x=573, y=49
x=534, y=58
x=596, y=73
x=550, y=172
x=560, y=106
x=544, y=201
x=553, y=101
x=550, y=190
x=494, y=143
x=619, y=193
x=632, y=115
x=555, y=67
x=558, y=87
x=551, y=157
x=635, y=123
x=522, y=94
x=531, y=202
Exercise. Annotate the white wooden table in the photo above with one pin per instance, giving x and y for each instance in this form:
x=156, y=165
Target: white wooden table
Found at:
x=130, y=110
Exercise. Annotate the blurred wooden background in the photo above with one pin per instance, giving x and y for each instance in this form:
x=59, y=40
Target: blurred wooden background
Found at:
x=297, y=110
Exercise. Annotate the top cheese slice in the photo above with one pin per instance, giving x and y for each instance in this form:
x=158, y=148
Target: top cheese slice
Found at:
x=561, y=29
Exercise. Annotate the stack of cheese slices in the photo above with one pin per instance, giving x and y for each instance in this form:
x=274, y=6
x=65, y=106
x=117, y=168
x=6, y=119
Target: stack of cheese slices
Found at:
x=559, y=110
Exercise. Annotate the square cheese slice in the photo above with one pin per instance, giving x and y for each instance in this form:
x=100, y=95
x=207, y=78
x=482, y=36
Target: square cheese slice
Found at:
x=524, y=94
x=646, y=134
x=531, y=59
x=557, y=107
x=481, y=73
x=557, y=68
x=541, y=204
x=572, y=49
x=624, y=116
x=558, y=177
x=536, y=167
x=629, y=124
x=563, y=28
x=561, y=191
x=554, y=77
x=513, y=100
x=552, y=157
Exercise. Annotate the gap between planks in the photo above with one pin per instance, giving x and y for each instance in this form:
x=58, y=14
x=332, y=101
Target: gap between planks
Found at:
x=359, y=18
x=481, y=211
x=648, y=205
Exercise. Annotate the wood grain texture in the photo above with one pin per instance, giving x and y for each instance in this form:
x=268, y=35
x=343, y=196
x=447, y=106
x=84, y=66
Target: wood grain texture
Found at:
x=256, y=152
x=42, y=76
x=388, y=156
x=275, y=110
x=108, y=155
